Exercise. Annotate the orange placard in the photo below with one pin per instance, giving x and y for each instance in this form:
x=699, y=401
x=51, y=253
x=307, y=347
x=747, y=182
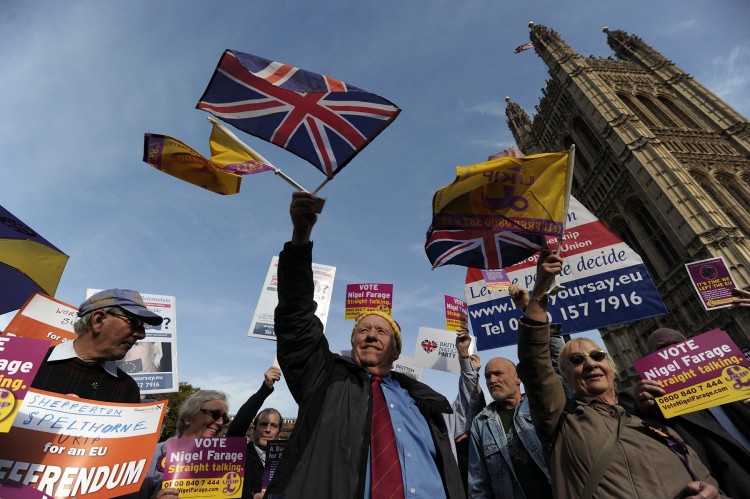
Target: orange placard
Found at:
x=71, y=447
x=44, y=318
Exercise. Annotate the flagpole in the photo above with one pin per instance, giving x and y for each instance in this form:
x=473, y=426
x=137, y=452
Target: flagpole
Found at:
x=321, y=185
x=247, y=149
x=568, y=188
x=556, y=286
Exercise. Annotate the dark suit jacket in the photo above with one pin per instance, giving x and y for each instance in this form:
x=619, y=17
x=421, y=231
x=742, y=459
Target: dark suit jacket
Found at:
x=253, y=473
x=238, y=428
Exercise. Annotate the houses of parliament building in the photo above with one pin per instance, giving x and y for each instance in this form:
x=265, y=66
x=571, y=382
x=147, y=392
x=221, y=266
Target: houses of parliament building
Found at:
x=661, y=160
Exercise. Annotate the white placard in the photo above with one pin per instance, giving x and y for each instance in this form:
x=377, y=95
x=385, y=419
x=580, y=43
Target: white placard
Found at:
x=262, y=324
x=436, y=349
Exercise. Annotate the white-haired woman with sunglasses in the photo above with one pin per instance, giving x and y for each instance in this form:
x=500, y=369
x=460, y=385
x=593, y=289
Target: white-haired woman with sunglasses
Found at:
x=202, y=414
x=594, y=448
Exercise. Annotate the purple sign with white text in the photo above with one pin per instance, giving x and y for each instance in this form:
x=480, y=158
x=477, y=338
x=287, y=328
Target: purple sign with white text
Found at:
x=205, y=467
x=704, y=371
x=712, y=282
x=20, y=359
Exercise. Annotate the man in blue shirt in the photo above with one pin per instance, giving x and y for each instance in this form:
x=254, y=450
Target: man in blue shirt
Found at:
x=328, y=454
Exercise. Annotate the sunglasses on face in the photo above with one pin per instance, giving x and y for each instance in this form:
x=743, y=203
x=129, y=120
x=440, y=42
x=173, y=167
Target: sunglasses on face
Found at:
x=134, y=322
x=576, y=359
x=216, y=414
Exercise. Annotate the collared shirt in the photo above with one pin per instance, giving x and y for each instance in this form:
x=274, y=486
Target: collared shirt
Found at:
x=261, y=454
x=416, y=449
x=65, y=351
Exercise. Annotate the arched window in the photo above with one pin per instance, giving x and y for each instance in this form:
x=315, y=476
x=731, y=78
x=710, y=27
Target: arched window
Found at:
x=657, y=237
x=655, y=109
x=678, y=113
x=582, y=166
x=717, y=195
x=621, y=228
x=730, y=196
x=635, y=110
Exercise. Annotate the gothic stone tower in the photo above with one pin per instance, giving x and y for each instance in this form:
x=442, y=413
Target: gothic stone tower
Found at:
x=661, y=160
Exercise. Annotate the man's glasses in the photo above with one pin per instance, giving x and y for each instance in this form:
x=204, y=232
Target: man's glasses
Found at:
x=216, y=414
x=134, y=322
x=577, y=359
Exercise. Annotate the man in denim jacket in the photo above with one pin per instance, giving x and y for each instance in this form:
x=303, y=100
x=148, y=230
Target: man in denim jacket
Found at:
x=505, y=457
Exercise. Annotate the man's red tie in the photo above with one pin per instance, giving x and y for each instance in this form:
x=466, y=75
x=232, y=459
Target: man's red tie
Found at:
x=385, y=479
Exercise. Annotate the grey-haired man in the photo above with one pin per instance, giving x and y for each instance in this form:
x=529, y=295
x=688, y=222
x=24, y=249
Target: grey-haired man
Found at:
x=109, y=324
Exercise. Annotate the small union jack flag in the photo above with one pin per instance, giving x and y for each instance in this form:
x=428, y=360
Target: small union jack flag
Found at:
x=320, y=119
x=521, y=48
x=429, y=345
x=480, y=249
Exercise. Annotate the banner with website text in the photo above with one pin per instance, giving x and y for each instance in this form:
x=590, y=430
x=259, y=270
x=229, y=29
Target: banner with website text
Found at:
x=605, y=281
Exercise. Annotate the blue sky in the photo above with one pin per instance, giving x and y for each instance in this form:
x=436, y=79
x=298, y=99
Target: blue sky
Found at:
x=83, y=80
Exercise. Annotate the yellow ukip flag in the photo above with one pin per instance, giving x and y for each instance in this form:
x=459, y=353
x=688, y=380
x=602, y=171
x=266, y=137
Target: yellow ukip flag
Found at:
x=233, y=156
x=510, y=194
x=175, y=158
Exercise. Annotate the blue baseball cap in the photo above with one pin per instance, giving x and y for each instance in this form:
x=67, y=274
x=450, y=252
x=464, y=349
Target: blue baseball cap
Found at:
x=127, y=299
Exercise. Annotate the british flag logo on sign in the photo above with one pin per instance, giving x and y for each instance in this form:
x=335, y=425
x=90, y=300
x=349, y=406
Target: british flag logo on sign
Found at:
x=320, y=119
x=429, y=345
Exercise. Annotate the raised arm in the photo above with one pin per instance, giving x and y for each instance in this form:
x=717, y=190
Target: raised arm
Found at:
x=543, y=388
x=470, y=400
x=301, y=347
x=244, y=418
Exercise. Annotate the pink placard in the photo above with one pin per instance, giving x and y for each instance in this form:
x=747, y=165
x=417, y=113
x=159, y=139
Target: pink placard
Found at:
x=704, y=371
x=205, y=467
x=367, y=297
x=456, y=313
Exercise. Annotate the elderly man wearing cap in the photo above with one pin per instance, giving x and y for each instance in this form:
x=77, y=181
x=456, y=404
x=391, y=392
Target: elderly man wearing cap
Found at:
x=109, y=324
x=347, y=404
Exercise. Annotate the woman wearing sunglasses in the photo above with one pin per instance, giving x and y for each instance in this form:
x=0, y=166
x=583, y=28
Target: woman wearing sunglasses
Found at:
x=203, y=414
x=594, y=447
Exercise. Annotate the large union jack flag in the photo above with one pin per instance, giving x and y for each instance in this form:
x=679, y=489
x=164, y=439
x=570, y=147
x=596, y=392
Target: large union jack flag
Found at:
x=320, y=119
x=481, y=249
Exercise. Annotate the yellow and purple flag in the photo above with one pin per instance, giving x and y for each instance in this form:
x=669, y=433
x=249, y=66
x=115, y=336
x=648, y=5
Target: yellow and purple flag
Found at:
x=498, y=213
x=229, y=154
x=175, y=158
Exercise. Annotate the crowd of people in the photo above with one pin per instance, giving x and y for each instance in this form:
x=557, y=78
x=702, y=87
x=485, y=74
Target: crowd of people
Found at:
x=366, y=431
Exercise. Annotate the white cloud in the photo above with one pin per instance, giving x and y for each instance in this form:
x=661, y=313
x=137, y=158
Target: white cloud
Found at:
x=680, y=26
x=731, y=74
x=491, y=108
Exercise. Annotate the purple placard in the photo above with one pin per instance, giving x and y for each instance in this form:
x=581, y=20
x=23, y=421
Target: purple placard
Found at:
x=456, y=313
x=496, y=279
x=696, y=373
x=366, y=297
x=199, y=467
x=17, y=490
x=274, y=451
x=20, y=359
x=713, y=282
